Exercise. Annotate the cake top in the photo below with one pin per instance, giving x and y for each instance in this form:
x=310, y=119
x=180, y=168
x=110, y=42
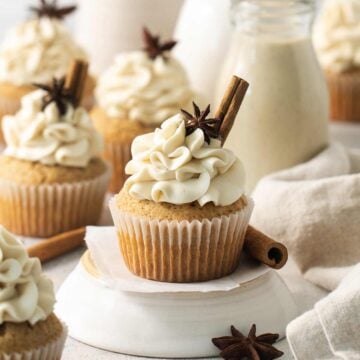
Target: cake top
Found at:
x=146, y=86
x=51, y=129
x=38, y=49
x=337, y=35
x=26, y=295
x=183, y=162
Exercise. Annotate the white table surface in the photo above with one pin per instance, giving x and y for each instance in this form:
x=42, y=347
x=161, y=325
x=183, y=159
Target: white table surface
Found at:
x=305, y=294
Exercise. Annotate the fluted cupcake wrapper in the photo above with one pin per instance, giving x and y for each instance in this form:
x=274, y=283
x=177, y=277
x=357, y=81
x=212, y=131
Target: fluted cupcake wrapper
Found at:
x=118, y=155
x=48, y=209
x=185, y=251
x=51, y=351
x=344, y=92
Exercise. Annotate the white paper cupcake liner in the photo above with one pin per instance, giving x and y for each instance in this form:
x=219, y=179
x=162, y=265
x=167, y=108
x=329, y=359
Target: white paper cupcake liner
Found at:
x=185, y=251
x=48, y=209
x=51, y=351
x=118, y=155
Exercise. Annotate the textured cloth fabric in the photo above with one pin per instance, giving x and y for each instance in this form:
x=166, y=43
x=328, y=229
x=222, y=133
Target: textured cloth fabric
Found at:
x=314, y=209
x=332, y=329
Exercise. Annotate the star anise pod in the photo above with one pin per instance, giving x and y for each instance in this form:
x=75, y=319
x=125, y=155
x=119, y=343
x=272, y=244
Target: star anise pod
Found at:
x=198, y=120
x=252, y=347
x=52, y=10
x=57, y=93
x=154, y=47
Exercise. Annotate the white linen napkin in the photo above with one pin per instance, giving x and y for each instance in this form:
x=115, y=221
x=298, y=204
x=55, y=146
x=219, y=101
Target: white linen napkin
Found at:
x=332, y=329
x=314, y=208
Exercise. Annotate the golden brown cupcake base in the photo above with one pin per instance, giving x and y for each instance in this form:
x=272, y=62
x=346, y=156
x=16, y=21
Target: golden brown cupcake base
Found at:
x=165, y=211
x=54, y=200
x=24, y=337
x=118, y=135
x=184, y=247
x=344, y=89
x=34, y=173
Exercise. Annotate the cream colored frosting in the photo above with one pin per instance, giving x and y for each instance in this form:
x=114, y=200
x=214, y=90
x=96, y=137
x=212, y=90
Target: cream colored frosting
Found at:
x=49, y=137
x=37, y=51
x=138, y=88
x=337, y=35
x=168, y=166
x=25, y=293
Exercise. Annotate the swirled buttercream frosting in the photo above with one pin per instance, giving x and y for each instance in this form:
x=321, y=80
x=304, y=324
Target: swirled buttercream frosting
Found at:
x=48, y=137
x=337, y=35
x=142, y=89
x=36, y=51
x=168, y=166
x=25, y=293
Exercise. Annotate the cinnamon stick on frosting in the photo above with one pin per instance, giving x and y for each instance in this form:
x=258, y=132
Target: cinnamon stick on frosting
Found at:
x=230, y=105
x=75, y=80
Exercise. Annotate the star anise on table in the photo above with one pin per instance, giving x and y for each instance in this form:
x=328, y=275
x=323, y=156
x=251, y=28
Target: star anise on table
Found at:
x=57, y=93
x=250, y=347
x=198, y=120
x=52, y=10
x=154, y=47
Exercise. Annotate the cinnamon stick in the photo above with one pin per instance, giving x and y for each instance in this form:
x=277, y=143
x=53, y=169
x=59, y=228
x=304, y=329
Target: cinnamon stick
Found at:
x=76, y=79
x=230, y=105
x=57, y=245
x=261, y=247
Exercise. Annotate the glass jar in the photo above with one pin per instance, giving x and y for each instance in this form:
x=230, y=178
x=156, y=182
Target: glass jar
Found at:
x=283, y=120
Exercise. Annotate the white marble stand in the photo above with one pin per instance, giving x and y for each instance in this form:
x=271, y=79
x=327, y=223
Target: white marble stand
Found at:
x=169, y=325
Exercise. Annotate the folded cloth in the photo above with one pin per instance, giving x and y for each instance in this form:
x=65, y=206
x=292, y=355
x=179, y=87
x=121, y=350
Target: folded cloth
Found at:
x=332, y=329
x=314, y=209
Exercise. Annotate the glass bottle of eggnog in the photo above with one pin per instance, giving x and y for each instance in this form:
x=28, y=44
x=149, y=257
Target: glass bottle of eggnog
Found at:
x=283, y=120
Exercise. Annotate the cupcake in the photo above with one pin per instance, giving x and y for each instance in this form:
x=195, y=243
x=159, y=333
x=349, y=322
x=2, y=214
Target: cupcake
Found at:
x=29, y=328
x=51, y=176
x=136, y=94
x=182, y=214
x=337, y=43
x=34, y=52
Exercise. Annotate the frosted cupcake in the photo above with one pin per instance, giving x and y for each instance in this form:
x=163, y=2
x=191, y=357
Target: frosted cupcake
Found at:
x=137, y=93
x=29, y=328
x=51, y=177
x=182, y=214
x=34, y=52
x=337, y=42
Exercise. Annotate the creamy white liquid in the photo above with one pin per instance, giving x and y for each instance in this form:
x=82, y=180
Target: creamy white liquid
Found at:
x=283, y=120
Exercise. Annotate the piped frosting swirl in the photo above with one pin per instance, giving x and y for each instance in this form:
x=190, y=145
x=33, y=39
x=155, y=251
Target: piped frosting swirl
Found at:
x=337, y=35
x=168, y=166
x=25, y=293
x=142, y=89
x=48, y=137
x=36, y=51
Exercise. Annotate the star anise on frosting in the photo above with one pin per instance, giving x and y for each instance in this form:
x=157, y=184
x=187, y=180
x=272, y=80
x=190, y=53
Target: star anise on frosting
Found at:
x=52, y=10
x=250, y=347
x=153, y=46
x=57, y=93
x=198, y=120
